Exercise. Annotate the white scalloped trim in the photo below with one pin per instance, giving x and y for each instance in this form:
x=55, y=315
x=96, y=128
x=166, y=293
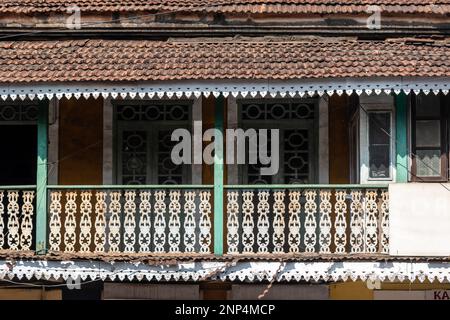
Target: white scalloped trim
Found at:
x=237, y=88
x=239, y=271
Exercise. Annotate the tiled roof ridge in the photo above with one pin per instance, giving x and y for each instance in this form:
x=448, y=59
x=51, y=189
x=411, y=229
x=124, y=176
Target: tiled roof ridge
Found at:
x=227, y=6
x=443, y=41
x=262, y=39
x=309, y=38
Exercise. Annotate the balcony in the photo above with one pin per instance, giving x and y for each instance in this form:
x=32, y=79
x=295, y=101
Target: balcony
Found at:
x=341, y=219
x=125, y=219
x=257, y=219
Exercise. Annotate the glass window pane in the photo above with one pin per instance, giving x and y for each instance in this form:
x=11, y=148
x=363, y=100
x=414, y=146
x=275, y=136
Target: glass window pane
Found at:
x=428, y=163
x=428, y=106
x=134, y=157
x=379, y=161
x=296, y=158
x=379, y=144
x=380, y=128
x=428, y=133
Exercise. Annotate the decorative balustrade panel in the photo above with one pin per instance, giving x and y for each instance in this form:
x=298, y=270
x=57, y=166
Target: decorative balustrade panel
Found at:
x=258, y=220
x=17, y=216
x=317, y=220
x=130, y=221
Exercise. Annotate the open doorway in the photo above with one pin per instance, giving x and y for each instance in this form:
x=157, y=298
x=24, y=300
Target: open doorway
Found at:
x=18, y=145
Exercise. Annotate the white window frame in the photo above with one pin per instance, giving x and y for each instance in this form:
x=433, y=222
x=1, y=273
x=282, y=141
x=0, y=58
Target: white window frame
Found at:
x=323, y=142
x=108, y=141
x=375, y=103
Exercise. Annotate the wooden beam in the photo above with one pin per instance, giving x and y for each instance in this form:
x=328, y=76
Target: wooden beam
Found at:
x=218, y=178
x=401, y=138
x=41, y=178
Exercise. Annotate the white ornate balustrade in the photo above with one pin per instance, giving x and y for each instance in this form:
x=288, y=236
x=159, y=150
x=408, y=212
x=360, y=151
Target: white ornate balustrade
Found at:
x=134, y=220
x=16, y=218
x=324, y=219
x=314, y=219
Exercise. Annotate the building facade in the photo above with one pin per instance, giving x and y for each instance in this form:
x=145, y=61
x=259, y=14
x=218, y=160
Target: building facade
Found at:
x=91, y=196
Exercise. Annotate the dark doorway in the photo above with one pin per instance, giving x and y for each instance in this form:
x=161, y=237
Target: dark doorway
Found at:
x=18, y=148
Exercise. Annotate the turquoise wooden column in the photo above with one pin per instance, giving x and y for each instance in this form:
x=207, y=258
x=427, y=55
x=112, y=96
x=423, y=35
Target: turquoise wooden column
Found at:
x=401, y=137
x=218, y=177
x=41, y=178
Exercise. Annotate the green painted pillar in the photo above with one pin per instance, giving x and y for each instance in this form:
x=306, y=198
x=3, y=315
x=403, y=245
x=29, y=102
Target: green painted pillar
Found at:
x=218, y=177
x=401, y=137
x=41, y=178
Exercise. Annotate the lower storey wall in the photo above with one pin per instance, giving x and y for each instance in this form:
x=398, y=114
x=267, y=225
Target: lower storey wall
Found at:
x=29, y=294
x=350, y=290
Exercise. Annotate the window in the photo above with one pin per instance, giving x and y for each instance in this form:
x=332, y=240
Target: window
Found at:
x=295, y=119
x=143, y=142
x=376, y=138
x=429, y=138
x=379, y=144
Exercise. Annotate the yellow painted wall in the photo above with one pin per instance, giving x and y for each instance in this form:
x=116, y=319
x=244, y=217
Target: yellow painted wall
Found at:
x=81, y=141
x=359, y=291
x=426, y=285
x=30, y=294
x=338, y=120
x=350, y=291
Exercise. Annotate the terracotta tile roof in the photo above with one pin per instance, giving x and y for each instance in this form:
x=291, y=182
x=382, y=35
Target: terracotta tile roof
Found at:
x=228, y=6
x=260, y=58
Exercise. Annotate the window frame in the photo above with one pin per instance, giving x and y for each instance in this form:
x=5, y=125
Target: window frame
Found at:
x=375, y=103
x=444, y=148
x=391, y=144
x=355, y=146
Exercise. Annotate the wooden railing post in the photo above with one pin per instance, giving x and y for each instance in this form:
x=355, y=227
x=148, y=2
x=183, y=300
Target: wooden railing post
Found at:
x=218, y=178
x=41, y=178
